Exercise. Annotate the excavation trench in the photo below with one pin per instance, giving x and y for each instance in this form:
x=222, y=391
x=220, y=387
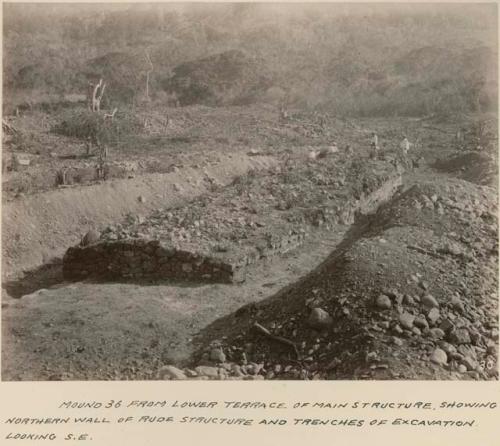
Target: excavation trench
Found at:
x=85, y=324
x=37, y=230
x=177, y=244
x=406, y=252
x=288, y=302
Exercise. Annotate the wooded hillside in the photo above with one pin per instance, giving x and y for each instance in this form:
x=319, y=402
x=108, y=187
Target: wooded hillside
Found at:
x=383, y=60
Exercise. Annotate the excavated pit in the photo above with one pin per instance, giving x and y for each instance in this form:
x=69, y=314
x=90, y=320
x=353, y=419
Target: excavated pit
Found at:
x=38, y=228
x=292, y=216
x=217, y=238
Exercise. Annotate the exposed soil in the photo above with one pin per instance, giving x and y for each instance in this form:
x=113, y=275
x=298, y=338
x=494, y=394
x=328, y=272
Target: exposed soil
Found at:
x=96, y=331
x=351, y=302
x=40, y=227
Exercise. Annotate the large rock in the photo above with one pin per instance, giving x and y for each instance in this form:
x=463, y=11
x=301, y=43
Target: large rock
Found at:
x=433, y=315
x=421, y=322
x=209, y=372
x=91, y=237
x=217, y=355
x=429, y=301
x=20, y=160
x=460, y=336
x=437, y=333
x=406, y=320
x=457, y=304
x=446, y=325
x=470, y=363
x=319, y=319
x=439, y=357
x=383, y=302
x=171, y=372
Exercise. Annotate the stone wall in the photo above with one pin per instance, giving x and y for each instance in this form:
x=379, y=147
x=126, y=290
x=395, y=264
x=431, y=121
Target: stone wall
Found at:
x=146, y=259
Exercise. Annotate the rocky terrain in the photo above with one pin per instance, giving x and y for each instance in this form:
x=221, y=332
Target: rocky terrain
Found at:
x=355, y=268
x=410, y=292
x=259, y=215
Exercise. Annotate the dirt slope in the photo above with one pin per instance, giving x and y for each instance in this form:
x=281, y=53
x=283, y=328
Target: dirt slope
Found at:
x=38, y=228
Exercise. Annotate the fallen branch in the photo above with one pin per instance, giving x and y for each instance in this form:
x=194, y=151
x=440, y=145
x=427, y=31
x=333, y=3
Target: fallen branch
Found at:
x=424, y=251
x=263, y=330
x=110, y=115
x=148, y=72
x=428, y=127
x=97, y=95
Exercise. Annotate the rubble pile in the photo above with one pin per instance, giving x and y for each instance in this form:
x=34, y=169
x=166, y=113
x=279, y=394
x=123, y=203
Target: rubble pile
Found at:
x=411, y=293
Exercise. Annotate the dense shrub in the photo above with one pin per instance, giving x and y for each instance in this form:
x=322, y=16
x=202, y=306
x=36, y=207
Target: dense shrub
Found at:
x=85, y=124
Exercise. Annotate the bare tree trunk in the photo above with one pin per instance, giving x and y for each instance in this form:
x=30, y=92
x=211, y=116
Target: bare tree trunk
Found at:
x=99, y=99
x=110, y=115
x=94, y=96
x=97, y=95
x=148, y=58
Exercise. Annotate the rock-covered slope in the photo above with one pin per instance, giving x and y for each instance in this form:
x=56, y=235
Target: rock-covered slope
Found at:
x=410, y=294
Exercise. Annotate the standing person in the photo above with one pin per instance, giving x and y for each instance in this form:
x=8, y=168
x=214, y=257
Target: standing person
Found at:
x=460, y=137
x=405, y=145
x=374, y=145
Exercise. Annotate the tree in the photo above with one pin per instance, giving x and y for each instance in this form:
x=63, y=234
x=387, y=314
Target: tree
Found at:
x=97, y=94
x=148, y=72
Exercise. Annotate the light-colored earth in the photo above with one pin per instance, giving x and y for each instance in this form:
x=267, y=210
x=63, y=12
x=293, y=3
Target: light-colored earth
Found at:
x=96, y=331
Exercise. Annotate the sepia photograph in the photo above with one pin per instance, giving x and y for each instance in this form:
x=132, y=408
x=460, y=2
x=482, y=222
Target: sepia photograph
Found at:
x=249, y=191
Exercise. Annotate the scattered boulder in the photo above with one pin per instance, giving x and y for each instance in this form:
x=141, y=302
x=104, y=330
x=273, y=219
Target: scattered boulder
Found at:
x=408, y=300
x=91, y=237
x=421, y=322
x=313, y=154
x=383, y=302
x=469, y=363
x=457, y=304
x=319, y=319
x=171, y=372
x=209, y=372
x=217, y=355
x=433, y=315
x=460, y=336
x=439, y=357
x=437, y=333
x=406, y=320
x=429, y=301
x=448, y=348
x=397, y=341
x=20, y=160
x=446, y=325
